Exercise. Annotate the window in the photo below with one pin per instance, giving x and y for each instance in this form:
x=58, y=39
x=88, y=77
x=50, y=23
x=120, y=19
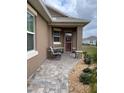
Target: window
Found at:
x=56, y=36
x=30, y=31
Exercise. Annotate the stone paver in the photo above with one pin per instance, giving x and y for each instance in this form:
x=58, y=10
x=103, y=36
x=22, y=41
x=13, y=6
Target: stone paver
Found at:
x=52, y=76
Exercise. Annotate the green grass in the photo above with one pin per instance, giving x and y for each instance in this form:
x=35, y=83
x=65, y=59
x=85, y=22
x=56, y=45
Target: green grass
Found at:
x=91, y=50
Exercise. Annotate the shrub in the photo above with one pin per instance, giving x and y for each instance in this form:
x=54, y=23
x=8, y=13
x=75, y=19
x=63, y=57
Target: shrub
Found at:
x=87, y=59
x=85, y=78
x=89, y=77
x=87, y=70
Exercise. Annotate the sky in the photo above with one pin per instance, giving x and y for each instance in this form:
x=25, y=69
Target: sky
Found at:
x=85, y=9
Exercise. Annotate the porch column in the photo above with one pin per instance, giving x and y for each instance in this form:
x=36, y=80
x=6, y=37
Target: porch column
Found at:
x=50, y=35
x=79, y=38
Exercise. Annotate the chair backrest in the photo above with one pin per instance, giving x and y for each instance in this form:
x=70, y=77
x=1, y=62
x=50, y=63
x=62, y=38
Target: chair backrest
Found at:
x=51, y=49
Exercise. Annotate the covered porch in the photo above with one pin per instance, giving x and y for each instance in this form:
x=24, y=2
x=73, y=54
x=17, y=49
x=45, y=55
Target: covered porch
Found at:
x=66, y=33
x=66, y=38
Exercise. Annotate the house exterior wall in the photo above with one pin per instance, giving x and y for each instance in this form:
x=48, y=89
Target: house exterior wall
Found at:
x=41, y=40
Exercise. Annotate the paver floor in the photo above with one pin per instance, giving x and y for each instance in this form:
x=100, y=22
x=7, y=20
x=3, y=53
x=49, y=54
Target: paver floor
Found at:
x=52, y=76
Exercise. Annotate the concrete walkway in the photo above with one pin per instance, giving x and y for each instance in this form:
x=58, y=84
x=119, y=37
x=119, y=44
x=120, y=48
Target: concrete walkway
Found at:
x=52, y=76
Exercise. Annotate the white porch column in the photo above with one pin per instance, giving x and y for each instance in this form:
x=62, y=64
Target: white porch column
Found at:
x=79, y=38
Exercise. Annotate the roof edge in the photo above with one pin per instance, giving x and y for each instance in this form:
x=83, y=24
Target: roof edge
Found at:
x=77, y=20
x=39, y=6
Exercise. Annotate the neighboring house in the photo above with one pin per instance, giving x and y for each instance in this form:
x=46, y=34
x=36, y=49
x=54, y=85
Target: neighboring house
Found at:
x=92, y=40
x=46, y=26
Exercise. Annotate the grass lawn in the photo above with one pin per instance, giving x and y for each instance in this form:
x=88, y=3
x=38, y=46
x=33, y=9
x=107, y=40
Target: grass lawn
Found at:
x=91, y=50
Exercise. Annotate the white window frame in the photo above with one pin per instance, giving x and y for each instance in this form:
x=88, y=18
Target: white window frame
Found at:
x=33, y=52
x=56, y=42
x=33, y=33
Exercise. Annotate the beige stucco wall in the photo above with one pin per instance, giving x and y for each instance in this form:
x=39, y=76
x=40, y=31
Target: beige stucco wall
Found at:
x=41, y=45
x=79, y=38
x=74, y=39
x=50, y=35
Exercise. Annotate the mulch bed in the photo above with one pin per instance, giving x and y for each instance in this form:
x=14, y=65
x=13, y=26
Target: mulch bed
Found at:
x=75, y=86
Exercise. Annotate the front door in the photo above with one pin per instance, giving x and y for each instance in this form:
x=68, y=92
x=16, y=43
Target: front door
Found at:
x=68, y=41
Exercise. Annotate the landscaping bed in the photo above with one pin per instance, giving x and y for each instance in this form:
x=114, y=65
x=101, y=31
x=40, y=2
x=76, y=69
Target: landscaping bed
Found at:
x=75, y=86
